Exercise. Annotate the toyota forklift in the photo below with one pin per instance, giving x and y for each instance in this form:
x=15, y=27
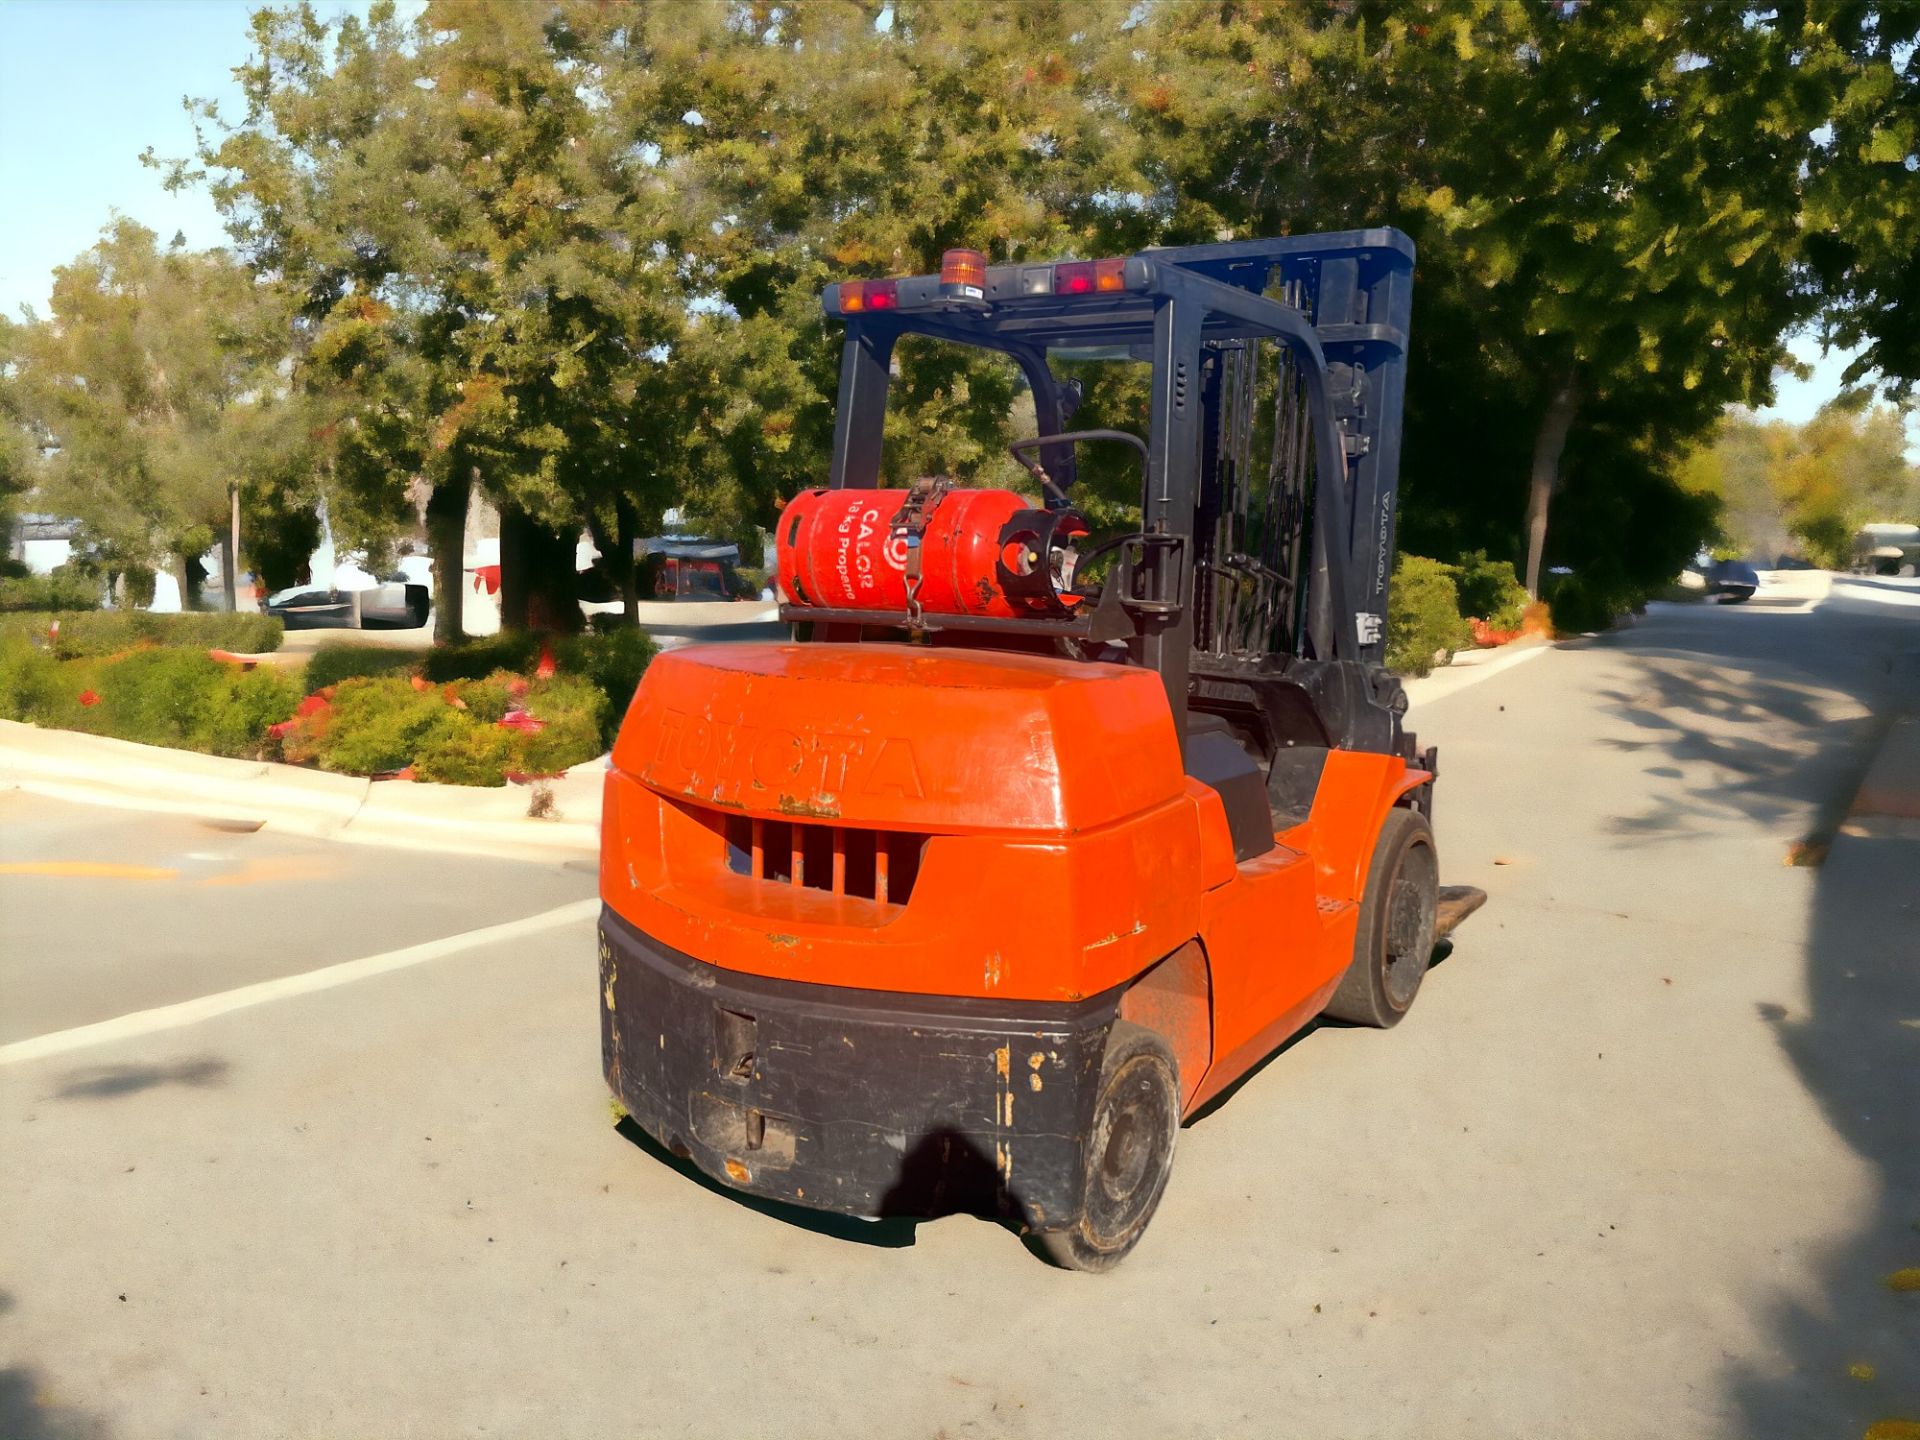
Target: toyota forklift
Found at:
x=1035, y=840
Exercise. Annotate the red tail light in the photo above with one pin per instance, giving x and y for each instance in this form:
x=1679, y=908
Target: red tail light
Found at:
x=1073, y=279
x=860, y=295
x=1083, y=277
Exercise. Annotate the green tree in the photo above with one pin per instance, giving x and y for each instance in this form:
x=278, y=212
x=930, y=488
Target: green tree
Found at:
x=19, y=443
x=1809, y=487
x=480, y=269
x=147, y=384
x=814, y=144
x=1605, y=200
x=1863, y=191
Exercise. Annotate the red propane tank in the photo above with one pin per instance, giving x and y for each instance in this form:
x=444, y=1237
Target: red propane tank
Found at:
x=842, y=550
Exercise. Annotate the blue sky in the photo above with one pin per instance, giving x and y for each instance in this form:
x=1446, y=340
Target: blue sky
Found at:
x=86, y=85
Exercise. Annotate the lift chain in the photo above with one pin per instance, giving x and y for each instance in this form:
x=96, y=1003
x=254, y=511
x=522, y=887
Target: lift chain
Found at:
x=909, y=527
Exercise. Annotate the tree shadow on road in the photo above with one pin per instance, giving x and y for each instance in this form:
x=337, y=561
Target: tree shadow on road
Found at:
x=108, y=1082
x=28, y=1412
x=1858, y=1051
x=23, y=1416
x=1756, y=711
x=1777, y=727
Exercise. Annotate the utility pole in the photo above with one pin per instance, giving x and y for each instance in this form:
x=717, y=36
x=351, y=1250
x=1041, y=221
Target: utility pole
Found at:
x=232, y=557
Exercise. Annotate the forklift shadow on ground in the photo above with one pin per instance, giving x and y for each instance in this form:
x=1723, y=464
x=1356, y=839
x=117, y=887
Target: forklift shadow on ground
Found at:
x=946, y=1174
x=895, y=1233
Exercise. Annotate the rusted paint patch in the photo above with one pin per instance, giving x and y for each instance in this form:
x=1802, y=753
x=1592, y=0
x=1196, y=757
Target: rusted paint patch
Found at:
x=737, y=1172
x=1139, y=928
x=1003, y=1061
x=809, y=810
x=785, y=942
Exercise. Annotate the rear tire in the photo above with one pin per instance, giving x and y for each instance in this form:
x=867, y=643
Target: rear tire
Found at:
x=1127, y=1155
x=1393, y=943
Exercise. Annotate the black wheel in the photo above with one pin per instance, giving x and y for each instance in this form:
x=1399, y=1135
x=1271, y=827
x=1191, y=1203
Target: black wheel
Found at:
x=1127, y=1154
x=1394, y=941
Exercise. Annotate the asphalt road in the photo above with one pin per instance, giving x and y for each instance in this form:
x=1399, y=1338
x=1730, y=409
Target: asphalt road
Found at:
x=1639, y=1163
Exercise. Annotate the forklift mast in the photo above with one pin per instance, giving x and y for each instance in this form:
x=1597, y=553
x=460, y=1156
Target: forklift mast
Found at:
x=1256, y=585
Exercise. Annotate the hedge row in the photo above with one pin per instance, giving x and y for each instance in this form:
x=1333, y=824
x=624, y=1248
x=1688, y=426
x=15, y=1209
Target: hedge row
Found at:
x=174, y=697
x=73, y=635
x=469, y=732
x=612, y=662
x=62, y=590
x=473, y=722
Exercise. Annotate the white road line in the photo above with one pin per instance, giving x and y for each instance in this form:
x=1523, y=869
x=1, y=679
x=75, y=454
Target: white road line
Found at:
x=192, y=1012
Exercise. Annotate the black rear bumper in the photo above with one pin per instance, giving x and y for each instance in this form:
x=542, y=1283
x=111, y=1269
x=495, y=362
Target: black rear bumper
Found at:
x=855, y=1101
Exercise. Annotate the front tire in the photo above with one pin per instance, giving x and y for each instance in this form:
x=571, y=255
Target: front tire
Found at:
x=1393, y=943
x=1126, y=1156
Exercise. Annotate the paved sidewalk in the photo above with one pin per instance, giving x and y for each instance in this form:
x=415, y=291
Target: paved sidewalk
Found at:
x=462, y=819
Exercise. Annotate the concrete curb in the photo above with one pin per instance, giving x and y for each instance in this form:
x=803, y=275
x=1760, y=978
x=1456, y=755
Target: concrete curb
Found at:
x=1892, y=783
x=92, y=769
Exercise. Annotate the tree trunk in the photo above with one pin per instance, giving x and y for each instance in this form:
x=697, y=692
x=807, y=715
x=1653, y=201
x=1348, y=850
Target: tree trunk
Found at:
x=447, y=539
x=1562, y=406
x=626, y=523
x=229, y=587
x=626, y=531
x=187, y=571
x=536, y=575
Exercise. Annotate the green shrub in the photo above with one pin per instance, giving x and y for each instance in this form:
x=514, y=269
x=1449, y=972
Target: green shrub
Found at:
x=466, y=752
x=177, y=698
x=262, y=696
x=66, y=589
x=476, y=659
x=1490, y=591
x=486, y=700
x=29, y=679
x=333, y=663
x=614, y=662
x=109, y=632
x=1423, y=615
x=378, y=725
x=1582, y=604
x=574, y=712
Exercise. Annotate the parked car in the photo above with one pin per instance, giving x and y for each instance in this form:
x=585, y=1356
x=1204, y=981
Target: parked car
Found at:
x=1732, y=580
x=394, y=604
x=1886, y=549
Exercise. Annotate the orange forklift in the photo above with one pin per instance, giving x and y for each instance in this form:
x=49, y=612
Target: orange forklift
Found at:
x=1036, y=839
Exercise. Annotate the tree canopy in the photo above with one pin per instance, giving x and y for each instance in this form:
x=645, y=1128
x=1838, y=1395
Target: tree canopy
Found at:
x=571, y=252
x=1808, y=487
x=152, y=393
